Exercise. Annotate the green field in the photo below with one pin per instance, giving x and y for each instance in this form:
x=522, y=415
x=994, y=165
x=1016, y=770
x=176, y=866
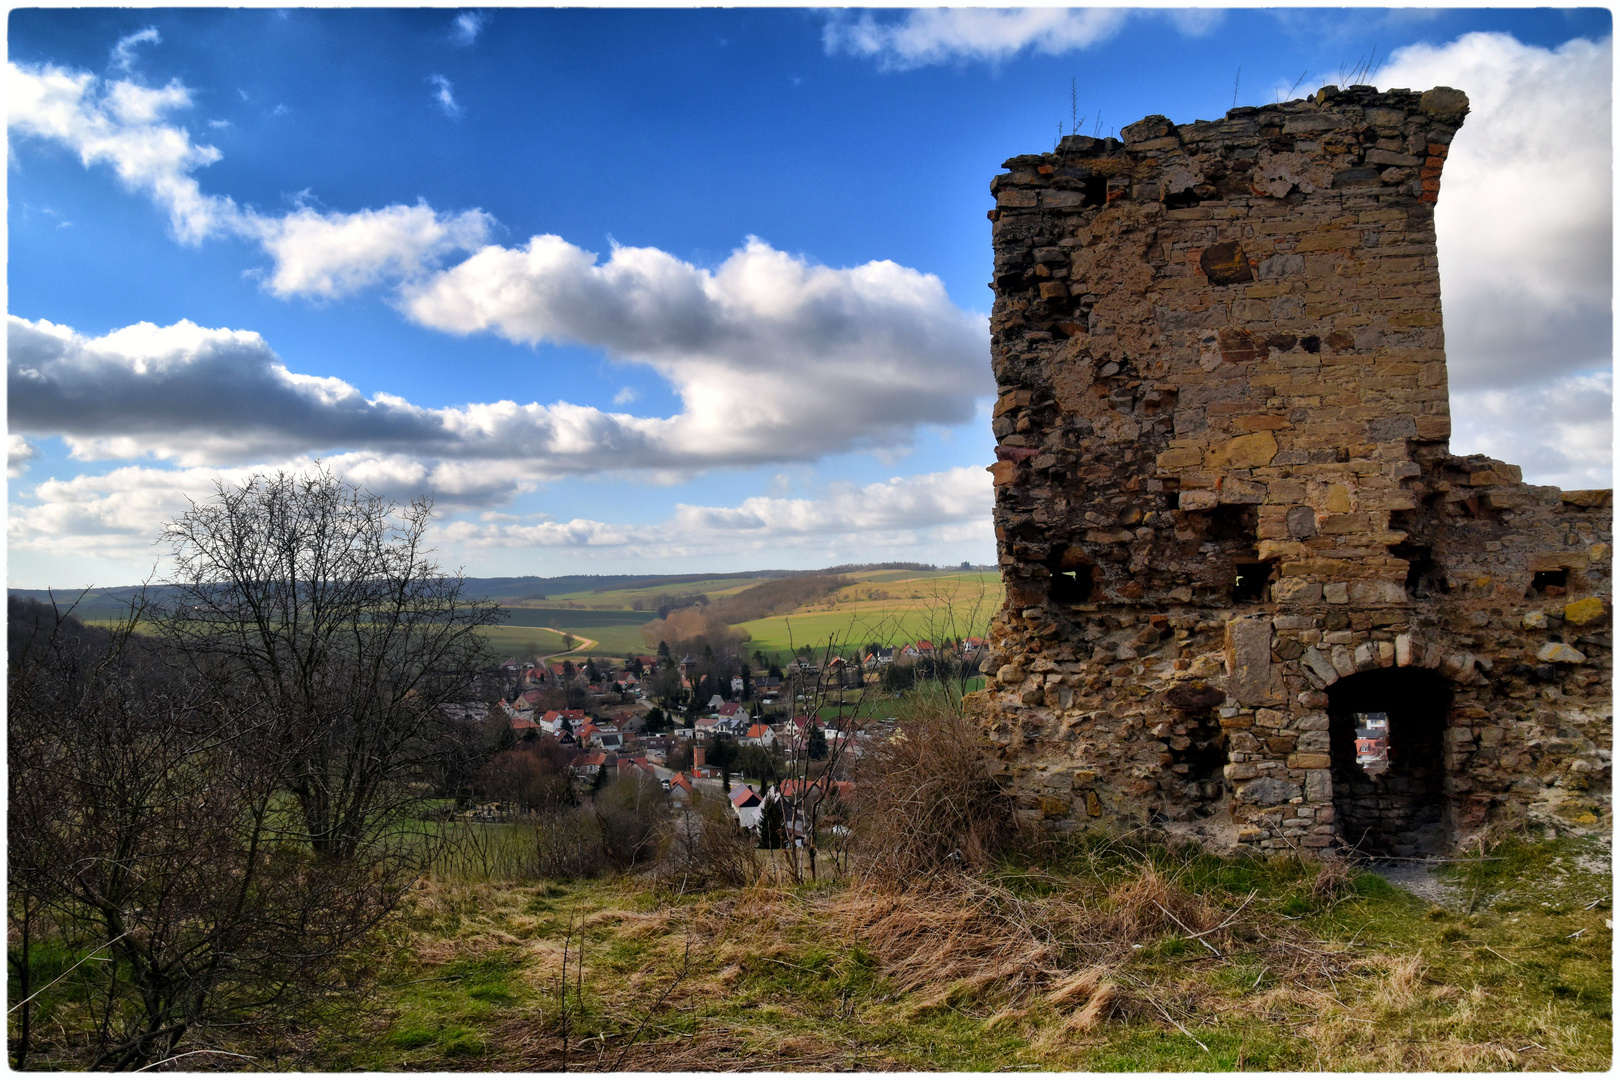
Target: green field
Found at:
x=890, y=607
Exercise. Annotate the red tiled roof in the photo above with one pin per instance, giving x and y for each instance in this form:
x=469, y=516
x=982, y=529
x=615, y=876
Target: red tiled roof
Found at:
x=742, y=795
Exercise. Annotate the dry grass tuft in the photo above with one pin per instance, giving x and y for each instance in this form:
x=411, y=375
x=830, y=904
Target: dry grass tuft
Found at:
x=633, y=924
x=1331, y=880
x=965, y=936
x=1150, y=905
x=1104, y=1004
x=1077, y=987
x=1402, y=982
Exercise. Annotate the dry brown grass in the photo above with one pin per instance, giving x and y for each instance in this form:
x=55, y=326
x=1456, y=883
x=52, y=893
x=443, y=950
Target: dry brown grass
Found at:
x=1072, y=965
x=1332, y=880
x=926, y=803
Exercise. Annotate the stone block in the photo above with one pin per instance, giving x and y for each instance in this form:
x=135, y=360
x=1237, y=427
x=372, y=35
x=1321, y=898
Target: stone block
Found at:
x=1296, y=591
x=1320, y=666
x=1267, y=791
x=1198, y=500
x=1251, y=676
x=1319, y=786
x=1180, y=458
x=1584, y=612
x=1309, y=761
x=1244, y=452
x=1556, y=652
x=1336, y=592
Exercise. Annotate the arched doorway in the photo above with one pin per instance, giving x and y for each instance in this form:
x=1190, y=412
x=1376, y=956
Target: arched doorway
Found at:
x=1400, y=811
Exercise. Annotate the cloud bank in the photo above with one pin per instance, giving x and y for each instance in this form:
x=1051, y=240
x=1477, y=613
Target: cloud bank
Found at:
x=774, y=359
x=1525, y=226
x=117, y=515
x=1526, y=217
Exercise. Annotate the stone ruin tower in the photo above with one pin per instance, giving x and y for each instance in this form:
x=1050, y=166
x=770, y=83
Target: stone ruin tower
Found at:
x=1227, y=515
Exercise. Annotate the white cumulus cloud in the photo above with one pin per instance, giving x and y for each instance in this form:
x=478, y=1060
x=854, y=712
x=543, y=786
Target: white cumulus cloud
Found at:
x=861, y=372
x=129, y=127
x=19, y=452
x=1526, y=211
x=766, y=350
x=332, y=254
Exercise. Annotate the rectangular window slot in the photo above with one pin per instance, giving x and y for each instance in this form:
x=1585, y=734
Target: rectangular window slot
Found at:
x=1549, y=583
x=1249, y=585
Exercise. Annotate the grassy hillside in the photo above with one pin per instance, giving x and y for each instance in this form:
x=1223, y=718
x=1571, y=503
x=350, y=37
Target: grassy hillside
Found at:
x=887, y=606
x=1085, y=959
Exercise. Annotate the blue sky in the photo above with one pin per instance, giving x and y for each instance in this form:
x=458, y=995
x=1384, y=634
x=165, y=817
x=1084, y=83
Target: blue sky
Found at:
x=671, y=290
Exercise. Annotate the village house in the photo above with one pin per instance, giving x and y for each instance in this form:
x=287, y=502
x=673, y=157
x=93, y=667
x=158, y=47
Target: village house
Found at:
x=760, y=735
x=746, y=804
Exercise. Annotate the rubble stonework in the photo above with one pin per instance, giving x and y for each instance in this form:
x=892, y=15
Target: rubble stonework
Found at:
x=1227, y=515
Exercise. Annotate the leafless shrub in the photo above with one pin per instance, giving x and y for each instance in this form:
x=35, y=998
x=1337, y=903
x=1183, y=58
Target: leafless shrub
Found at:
x=146, y=831
x=925, y=801
x=568, y=844
x=707, y=849
x=631, y=811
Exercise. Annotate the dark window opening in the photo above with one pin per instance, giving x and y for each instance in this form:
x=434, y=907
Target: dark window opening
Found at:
x=1549, y=583
x=1423, y=577
x=1071, y=586
x=1249, y=585
x=1094, y=190
x=1073, y=576
x=1181, y=200
x=1234, y=523
x=1400, y=810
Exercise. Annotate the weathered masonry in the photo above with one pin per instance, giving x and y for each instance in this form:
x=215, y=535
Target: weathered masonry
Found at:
x=1227, y=515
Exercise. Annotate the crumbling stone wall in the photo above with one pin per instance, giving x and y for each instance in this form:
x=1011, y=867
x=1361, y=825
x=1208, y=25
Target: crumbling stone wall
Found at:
x=1227, y=515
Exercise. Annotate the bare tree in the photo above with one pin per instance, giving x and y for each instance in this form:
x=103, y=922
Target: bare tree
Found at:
x=219, y=813
x=146, y=842
x=319, y=597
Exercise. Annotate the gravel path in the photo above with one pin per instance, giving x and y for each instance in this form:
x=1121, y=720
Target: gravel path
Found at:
x=1419, y=878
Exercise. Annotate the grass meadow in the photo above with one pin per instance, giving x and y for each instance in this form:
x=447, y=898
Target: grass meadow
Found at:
x=1108, y=953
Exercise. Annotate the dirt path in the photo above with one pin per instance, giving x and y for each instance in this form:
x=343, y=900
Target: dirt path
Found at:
x=584, y=643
